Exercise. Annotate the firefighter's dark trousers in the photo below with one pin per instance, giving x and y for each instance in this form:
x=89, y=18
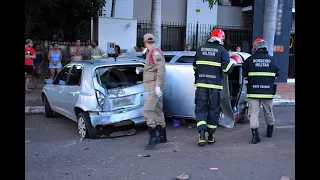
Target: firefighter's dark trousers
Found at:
x=207, y=109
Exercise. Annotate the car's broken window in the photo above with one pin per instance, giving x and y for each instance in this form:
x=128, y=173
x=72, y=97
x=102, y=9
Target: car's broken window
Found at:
x=119, y=76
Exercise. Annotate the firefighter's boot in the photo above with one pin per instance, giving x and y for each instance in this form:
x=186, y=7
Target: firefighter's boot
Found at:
x=269, y=131
x=255, y=136
x=202, y=138
x=211, y=138
x=162, y=138
x=153, y=140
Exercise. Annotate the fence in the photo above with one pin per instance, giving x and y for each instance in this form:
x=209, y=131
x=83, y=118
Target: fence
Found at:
x=172, y=35
x=235, y=36
x=175, y=36
x=291, y=70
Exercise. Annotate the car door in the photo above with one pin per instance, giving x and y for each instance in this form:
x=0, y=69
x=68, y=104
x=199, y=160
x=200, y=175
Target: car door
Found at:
x=58, y=101
x=72, y=89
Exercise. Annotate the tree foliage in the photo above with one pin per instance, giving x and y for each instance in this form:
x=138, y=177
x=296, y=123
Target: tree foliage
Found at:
x=59, y=19
x=212, y=2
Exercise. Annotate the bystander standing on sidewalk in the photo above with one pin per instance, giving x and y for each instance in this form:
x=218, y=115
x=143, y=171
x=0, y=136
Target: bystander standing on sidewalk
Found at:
x=55, y=58
x=76, y=51
x=95, y=51
x=188, y=47
x=38, y=61
x=30, y=54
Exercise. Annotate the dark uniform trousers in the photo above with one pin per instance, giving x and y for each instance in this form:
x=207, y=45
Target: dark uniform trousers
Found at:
x=207, y=109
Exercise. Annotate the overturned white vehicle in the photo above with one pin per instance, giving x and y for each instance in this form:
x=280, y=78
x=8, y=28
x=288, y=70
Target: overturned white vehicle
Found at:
x=108, y=92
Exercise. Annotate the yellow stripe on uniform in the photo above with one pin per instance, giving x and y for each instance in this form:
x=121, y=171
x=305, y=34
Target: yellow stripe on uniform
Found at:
x=211, y=126
x=96, y=57
x=261, y=74
x=210, y=63
x=212, y=86
x=201, y=123
x=228, y=67
x=260, y=96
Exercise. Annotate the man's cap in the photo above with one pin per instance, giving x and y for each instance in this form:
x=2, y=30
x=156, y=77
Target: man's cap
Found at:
x=28, y=41
x=148, y=37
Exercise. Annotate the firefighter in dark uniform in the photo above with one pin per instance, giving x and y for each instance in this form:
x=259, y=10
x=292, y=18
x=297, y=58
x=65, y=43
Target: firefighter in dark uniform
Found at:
x=210, y=61
x=260, y=72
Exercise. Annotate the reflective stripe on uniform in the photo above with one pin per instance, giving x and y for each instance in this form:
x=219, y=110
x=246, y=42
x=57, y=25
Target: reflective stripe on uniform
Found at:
x=194, y=67
x=228, y=67
x=210, y=63
x=211, y=126
x=261, y=74
x=104, y=54
x=260, y=96
x=212, y=86
x=96, y=57
x=201, y=123
x=245, y=77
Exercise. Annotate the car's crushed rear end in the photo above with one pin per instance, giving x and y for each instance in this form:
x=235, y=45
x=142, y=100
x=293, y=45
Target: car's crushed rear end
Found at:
x=120, y=94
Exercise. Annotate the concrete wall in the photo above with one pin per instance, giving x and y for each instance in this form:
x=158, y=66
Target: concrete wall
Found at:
x=230, y=16
x=172, y=10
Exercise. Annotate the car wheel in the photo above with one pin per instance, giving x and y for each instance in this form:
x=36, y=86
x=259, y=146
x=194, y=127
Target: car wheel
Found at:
x=47, y=109
x=85, y=128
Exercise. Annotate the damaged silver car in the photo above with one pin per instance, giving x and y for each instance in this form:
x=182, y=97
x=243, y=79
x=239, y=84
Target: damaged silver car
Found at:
x=179, y=92
x=105, y=92
x=96, y=93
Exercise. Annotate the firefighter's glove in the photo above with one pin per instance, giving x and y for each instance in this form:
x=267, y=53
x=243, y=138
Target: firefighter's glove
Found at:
x=158, y=91
x=139, y=70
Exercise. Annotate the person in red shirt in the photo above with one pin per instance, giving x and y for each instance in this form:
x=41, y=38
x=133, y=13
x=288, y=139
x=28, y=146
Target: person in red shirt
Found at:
x=30, y=54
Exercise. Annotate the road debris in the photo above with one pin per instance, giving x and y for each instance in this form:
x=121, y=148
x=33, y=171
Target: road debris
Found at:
x=214, y=169
x=189, y=127
x=146, y=155
x=183, y=176
x=285, y=178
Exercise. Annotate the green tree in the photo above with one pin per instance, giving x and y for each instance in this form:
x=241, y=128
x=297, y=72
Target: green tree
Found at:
x=212, y=2
x=59, y=19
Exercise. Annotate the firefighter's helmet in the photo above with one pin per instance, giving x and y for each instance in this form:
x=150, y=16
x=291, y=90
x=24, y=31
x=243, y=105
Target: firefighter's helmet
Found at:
x=259, y=43
x=217, y=35
x=236, y=58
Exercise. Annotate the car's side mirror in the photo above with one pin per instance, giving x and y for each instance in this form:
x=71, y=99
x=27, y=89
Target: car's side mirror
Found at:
x=49, y=81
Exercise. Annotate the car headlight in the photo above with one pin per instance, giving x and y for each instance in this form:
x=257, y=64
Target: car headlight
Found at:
x=100, y=98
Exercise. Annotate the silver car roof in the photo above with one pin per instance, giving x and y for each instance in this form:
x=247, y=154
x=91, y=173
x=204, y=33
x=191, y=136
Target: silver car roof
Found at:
x=180, y=53
x=110, y=62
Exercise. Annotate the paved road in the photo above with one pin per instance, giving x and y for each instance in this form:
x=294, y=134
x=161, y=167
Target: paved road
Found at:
x=54, y=151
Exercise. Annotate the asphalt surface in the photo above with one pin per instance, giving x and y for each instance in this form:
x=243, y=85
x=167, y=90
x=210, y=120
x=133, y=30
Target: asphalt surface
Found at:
x=54, y=151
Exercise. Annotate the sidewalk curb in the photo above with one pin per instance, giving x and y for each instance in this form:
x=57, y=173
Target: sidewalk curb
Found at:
x=29, y=110
x=284, y=102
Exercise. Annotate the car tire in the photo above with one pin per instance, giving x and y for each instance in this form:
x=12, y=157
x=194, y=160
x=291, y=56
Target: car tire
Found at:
x=47, y=109
x=85, y=128
x=243, y=116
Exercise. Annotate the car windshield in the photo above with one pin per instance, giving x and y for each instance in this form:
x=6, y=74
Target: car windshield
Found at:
x=119, y=76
